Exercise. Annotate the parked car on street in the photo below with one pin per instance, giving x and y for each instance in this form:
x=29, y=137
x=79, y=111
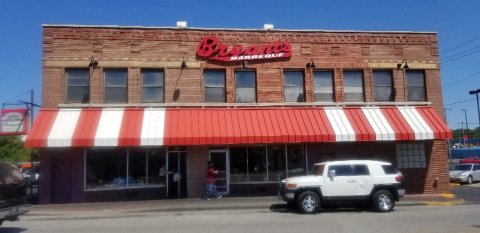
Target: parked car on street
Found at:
x=13, y=193
x=354, y=181
x=30, y=176
x=465, y=173
x=471, y=160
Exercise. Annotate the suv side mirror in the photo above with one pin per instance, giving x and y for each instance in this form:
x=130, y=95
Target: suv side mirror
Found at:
x=331, y=173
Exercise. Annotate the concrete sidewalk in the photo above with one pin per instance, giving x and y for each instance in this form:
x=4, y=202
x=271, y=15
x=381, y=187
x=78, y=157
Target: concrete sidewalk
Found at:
x=197, y=204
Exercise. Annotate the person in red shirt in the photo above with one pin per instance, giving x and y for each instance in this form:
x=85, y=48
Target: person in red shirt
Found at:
x=211, y=189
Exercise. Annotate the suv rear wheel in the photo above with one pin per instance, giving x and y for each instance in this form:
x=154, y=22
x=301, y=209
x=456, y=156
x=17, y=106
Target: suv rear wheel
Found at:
x=308, y=202
x=383, y=201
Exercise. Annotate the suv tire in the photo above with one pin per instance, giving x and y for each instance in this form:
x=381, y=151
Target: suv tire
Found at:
x=383, y=201
x=308, y=202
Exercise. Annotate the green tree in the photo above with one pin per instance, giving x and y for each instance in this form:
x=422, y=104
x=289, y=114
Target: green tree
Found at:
x=12, y=149
x=472, y=133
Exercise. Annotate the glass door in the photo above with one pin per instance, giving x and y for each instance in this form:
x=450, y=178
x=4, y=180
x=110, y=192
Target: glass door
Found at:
x=177, y=185
x=221, y=162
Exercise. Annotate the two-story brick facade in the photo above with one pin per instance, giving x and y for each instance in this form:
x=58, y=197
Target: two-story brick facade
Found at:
x=126, y=108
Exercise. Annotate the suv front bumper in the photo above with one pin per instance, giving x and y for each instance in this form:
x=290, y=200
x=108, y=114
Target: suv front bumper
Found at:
x=285, y=194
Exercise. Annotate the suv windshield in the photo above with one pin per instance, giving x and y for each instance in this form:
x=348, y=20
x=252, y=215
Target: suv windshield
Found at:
x=317, y=170
x=462, y=167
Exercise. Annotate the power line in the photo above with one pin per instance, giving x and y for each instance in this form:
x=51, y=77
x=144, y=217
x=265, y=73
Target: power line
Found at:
x=461, y=45
x=459, y=53
x=458, y=81
x=14, y=98
x=461, y=102
x=456, y=58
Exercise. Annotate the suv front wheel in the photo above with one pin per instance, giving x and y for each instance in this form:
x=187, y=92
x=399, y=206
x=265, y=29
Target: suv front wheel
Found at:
x=383, y=201
x=308, y=202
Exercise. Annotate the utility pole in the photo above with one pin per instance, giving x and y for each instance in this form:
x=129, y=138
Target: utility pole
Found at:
x=448, y=140
x=30, y=108
x=475, y=92
x=466, y=121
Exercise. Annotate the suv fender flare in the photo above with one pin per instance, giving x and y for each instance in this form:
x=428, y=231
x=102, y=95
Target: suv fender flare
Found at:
x=386, y=187
x=316, y=189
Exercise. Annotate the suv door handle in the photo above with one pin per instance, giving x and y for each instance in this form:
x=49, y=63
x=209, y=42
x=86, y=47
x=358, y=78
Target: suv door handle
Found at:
x=351, y=180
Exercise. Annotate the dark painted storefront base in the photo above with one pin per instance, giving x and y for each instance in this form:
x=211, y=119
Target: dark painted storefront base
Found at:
x=125, y=195
x=251, y=190
x=62, y=173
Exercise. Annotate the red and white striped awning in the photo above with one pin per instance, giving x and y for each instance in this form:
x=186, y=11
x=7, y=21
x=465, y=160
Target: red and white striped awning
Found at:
x=217, y=126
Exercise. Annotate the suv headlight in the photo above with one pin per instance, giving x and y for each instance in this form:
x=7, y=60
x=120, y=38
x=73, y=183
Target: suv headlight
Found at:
x=291, y=186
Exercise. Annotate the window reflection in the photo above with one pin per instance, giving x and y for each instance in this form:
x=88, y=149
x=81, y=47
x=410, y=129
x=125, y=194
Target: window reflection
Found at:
x=266, y=163
x=107, y=168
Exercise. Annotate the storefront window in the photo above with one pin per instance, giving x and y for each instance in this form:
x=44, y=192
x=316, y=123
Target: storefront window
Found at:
x=323, y=86
x=152, y=82
x=296, y=160
x=382, y=85
x=157, y=173
x=238, y=164
x=116, y=86
x=108, y=168
x=214, y=86
x=77, y=85
x=276, y=162
x=294, y=86
x=245, y=89
x=266, y=163
x=257, y=163
x=137, y=167
x=353, y=86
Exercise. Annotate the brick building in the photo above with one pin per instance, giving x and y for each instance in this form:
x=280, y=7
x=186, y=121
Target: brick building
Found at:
x=126, y=110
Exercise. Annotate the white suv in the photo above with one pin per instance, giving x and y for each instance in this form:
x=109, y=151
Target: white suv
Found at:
x=373, y=182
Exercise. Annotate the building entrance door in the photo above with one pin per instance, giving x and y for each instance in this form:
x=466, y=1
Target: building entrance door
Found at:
x=176, y=185
x=222, y=163
x=61, y=180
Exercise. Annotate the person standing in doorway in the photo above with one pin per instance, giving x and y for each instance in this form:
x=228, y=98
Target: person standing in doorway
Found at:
x=211, y=189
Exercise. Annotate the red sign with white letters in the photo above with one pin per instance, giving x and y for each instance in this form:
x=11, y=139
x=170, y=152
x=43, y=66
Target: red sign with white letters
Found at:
x=211, y=49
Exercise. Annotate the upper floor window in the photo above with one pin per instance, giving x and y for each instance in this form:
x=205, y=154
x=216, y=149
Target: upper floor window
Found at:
x=77, y=85
x=116, y=86
x=294, y=86
x=214, y=86
x=415, y=85
x=323, y=86
x=245, y=88
x=152, y=86
x=382, y=85
x=353, y=86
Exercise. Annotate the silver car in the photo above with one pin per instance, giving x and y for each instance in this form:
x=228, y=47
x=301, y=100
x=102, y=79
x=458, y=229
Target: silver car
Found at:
x=465, y=173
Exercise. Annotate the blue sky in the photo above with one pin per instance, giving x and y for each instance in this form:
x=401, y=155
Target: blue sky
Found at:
x=456, y=22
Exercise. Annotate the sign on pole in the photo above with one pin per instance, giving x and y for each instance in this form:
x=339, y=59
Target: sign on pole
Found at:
x=13, y=121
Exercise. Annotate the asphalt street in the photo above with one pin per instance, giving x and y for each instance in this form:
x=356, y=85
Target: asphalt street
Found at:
x=469, y=193
x=278, y=219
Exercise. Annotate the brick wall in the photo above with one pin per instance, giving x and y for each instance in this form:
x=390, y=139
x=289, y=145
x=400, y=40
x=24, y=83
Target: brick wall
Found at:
x=137, y=48
x=197, y=159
